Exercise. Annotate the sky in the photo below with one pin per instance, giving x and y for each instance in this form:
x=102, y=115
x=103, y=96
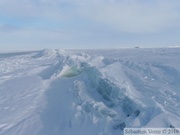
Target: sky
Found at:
x=88, y=24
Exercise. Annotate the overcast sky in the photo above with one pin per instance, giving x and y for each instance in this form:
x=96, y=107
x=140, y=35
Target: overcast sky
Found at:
x=37, y=24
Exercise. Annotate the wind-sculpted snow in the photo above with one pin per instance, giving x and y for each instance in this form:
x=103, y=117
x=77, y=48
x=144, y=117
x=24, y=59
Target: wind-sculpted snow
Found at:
x=46, y=53
x=72, y=92
x=112, y=94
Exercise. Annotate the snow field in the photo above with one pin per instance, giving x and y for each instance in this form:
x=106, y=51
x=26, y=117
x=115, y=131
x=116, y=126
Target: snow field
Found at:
x=88, y=91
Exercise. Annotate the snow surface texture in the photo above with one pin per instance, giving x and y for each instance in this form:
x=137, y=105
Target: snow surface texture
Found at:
x=88, y=92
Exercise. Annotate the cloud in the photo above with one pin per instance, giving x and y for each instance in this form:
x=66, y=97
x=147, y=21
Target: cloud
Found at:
x=85, y=22
x=28, y=38
x=133, y=16
x=42, y=9
x=7, y=28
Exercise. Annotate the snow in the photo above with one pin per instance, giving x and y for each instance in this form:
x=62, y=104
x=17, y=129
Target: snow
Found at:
x=72, y=92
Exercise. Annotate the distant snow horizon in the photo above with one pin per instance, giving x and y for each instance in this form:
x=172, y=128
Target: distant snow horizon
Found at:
x=31, y=50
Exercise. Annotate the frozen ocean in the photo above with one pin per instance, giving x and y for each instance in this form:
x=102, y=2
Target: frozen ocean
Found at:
x=89, y=92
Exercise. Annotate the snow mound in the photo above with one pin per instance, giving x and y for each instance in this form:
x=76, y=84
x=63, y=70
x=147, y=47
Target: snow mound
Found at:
x=46, y=53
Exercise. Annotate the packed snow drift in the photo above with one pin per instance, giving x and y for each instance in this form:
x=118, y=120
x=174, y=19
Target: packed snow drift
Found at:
x=89, y=92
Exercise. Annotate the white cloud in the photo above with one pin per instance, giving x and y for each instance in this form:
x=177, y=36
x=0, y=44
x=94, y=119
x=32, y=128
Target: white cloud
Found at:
x=8, y=28
x=135, y=16
x=28, y=38
x=42, y=9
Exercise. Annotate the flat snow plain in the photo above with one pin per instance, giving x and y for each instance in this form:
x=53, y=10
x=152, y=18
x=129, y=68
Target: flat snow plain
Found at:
x=89, y=92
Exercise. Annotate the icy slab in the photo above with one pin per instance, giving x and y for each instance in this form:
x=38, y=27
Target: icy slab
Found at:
x=70, y=71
